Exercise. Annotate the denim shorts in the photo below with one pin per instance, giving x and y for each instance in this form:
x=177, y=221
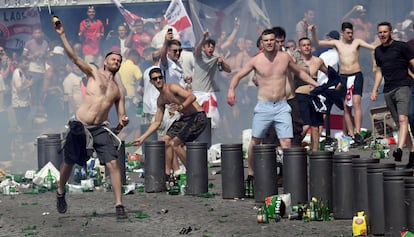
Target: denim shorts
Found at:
x=277, y=114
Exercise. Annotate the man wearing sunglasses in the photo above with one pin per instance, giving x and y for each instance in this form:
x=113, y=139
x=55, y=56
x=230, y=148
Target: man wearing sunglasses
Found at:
x=190, y=125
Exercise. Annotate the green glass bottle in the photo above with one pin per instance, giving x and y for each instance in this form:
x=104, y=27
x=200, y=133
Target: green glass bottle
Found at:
x=49, y=181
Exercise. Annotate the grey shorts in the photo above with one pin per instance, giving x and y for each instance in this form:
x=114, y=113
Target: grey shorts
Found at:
x=398, y=101
x=104, y=144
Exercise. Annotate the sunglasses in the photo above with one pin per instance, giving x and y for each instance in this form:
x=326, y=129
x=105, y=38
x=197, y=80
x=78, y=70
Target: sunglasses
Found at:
x=157, y=78
x=177, y=50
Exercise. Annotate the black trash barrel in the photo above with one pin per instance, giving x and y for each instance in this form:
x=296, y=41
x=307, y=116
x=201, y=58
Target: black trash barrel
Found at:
x=154, y=166
x=376, y=197
x=152, y=137
x=295, y=174
x=49, y=148
x=360, y=192
x=409, y=200
x=395, y=211
x=205, y=136
x=197, y=172
x=320, y=176
x=265, y=175
x=342, y=186
x=232, y=172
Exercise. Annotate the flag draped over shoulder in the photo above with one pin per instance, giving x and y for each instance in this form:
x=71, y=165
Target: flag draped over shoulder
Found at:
x=177, y=17
x=218, y=20
x=16, y=26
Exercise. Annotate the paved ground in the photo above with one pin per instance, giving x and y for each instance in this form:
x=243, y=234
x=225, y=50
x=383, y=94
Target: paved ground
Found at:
x=92, y=214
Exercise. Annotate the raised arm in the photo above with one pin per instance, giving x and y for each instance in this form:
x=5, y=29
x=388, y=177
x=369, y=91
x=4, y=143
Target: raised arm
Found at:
x=164, y=48
x=83, y=66
x=232, y=36
x=364, y=44
x=330, y=43
x=197, y=51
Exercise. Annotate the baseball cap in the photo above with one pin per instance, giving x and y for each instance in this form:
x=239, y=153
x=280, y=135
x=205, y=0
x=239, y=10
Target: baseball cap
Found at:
x=58, y=50
x=333, y=34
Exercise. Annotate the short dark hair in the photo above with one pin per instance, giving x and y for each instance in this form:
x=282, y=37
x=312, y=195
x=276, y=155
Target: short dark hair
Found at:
x=267, y=32
x=113, y=52
x=303, y=38
x=385, y=23
x=174, y=42
x=209, y=41
x=347, y=25
x=154, y=70
x=279, y=32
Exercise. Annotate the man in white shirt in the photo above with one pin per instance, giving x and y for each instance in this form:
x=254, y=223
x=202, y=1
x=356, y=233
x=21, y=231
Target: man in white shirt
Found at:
x=162, y=26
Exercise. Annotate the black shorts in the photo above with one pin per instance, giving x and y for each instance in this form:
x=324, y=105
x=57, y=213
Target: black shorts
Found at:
x=307, y=110
x=188, y=128
x=75, y=145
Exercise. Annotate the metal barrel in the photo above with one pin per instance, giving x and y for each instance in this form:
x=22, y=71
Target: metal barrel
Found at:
x=360, y=183
x=295, y=174
x=376, y=197
x=409, y=200
x=154, y=167
x=232, y=171
x=395, y=211
x=197, y=170
x=342, y=186
x=265, y=175
x=152, y=137
x=49, y=148
x=205, y=136
x=320, y=176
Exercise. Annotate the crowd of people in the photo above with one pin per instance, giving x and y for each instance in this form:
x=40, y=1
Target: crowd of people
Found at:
x=284, y=86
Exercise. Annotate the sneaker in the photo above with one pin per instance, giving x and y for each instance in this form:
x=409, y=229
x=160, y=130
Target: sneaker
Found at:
x=61, y=205
x=120, y=212
x=397, y=155
x=358, y=139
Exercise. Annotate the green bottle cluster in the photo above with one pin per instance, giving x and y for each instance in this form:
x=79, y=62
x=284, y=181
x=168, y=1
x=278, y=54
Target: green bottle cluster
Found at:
x=317, y=210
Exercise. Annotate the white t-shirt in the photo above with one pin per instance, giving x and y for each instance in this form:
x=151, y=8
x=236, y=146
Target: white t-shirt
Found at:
x=150, y=94
x=72, y=91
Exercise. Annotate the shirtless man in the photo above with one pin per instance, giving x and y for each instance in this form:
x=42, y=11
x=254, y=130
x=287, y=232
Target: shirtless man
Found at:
x=102, y=91
x=352, y=80
x=192, y=123
x=311, y=118
x=271, y=67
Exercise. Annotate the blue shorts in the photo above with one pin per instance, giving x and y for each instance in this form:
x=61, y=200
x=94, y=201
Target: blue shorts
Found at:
x=275, y=114
x=358, y=83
